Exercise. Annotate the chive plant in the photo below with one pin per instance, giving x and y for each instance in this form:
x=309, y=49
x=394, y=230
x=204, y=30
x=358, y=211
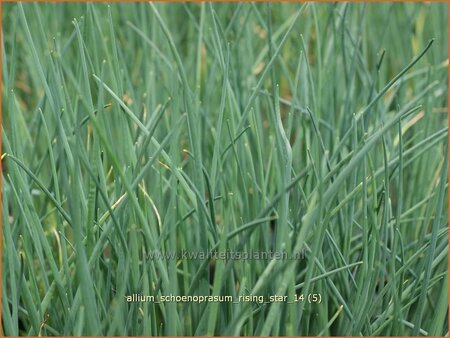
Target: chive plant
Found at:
x=224, y=169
